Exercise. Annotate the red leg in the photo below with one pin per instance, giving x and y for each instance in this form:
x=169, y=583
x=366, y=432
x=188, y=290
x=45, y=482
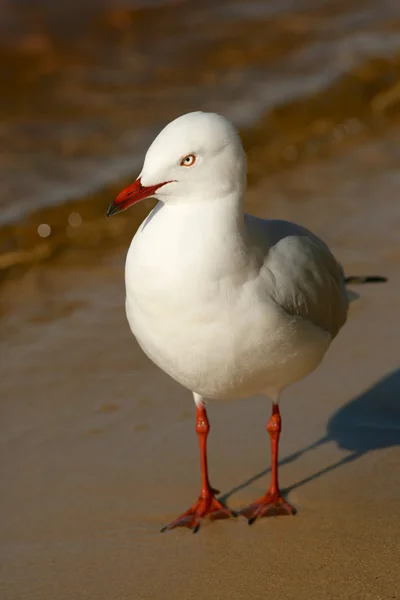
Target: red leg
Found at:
x=207, y=504
x=272, y=502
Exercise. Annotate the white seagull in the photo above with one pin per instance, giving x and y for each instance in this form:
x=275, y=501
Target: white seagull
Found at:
x=227, y=304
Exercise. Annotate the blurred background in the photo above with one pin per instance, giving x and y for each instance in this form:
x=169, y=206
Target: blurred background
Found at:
x=86, y=85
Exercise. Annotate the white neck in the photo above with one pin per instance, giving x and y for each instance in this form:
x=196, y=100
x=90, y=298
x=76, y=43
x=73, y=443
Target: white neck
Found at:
x=207, y=223
x=200, y=236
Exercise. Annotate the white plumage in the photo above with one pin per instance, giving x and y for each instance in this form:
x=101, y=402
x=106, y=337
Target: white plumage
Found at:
x=227, y=304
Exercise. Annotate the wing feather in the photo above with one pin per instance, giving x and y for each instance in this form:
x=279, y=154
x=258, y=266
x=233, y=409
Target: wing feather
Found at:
x=300, y=272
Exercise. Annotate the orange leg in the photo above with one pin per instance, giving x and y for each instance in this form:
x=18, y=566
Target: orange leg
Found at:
x=272, y=502
x=207, y=504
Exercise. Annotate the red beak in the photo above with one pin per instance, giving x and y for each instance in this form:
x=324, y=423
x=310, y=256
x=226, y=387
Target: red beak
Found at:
x=132, y=194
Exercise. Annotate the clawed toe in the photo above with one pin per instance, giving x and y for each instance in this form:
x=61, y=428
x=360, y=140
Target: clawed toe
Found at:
x=208, y=506
x=268, y=505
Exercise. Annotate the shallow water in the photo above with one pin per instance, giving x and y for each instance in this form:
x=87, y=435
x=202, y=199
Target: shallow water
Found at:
x=87, y=86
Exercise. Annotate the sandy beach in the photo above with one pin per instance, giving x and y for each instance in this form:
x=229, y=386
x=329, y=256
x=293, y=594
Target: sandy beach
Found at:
x=99, y=450
x=97, y=446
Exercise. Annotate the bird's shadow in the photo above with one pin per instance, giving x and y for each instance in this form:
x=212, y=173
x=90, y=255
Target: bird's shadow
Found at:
x=368, y=422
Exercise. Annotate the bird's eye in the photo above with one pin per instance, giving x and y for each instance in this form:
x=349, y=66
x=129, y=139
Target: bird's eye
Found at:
x=188, y=160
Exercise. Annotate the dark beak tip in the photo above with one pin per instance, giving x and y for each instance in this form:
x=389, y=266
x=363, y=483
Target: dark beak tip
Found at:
x=112, y=209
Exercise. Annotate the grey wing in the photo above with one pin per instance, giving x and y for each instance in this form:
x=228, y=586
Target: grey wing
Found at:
x=302, y=274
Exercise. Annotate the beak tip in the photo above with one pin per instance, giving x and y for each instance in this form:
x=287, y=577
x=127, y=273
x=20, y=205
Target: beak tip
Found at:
x=111, y=209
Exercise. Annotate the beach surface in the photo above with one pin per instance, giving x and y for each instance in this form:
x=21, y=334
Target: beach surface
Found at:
x=99, y=449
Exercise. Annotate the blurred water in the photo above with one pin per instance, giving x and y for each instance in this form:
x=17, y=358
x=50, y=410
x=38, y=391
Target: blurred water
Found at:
x=87, y=84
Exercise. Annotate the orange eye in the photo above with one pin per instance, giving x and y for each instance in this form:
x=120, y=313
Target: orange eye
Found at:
x=188, y=161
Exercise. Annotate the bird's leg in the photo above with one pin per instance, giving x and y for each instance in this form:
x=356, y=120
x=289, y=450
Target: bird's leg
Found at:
x=207, y=504
x=272, y=502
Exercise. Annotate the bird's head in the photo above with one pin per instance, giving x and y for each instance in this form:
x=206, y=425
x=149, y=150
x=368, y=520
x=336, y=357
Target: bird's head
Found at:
x=197, y=156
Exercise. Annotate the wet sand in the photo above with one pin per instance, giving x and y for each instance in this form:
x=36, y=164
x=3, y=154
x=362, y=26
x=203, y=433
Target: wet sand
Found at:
x=99, y=450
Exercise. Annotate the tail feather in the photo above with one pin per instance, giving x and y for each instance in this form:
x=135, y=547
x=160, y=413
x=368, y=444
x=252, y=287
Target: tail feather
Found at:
x=359, y=279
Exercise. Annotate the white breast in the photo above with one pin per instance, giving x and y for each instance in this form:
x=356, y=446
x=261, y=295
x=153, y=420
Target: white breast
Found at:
x=202, y=318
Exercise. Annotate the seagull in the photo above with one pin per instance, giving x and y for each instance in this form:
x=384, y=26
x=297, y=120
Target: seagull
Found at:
x=227, y=304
